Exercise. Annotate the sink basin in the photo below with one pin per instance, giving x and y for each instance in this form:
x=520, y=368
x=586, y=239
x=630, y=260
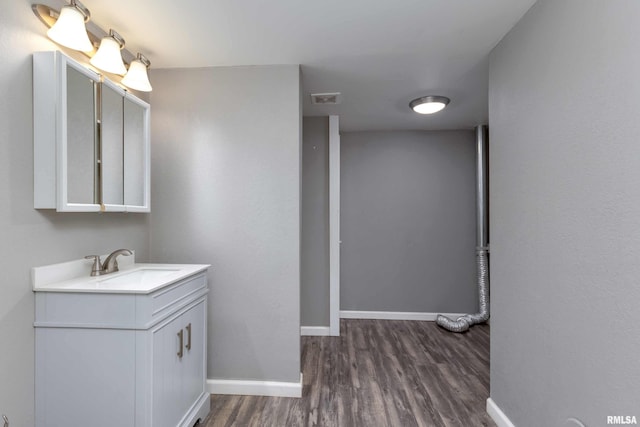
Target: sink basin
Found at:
x=138, y=277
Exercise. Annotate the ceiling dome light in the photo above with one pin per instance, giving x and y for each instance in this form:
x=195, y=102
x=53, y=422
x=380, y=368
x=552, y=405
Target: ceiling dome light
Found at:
x=69, y=30
x=137, y=77
x=108, y=57
x=429, y=104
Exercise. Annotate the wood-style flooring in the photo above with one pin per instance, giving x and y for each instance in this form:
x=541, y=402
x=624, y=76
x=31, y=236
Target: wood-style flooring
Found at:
x=377, y=373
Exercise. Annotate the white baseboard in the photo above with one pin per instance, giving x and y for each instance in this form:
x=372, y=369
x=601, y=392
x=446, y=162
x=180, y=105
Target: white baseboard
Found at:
x=315, y=331
x=255, y=388
x=497, y=415
x=199, y=411
x=394, y=315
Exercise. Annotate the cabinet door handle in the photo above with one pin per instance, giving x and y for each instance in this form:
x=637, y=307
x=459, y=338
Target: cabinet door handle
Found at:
x=181, y=336
x=188, y=337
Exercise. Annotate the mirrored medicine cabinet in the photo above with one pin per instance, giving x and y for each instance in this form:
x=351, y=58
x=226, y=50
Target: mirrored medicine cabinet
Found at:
x=91, y=140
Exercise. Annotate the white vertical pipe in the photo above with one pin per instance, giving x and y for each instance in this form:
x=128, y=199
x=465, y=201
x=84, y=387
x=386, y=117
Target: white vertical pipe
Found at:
x=334, y=226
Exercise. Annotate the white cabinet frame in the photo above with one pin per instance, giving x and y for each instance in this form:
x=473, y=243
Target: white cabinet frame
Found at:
x=50, y=133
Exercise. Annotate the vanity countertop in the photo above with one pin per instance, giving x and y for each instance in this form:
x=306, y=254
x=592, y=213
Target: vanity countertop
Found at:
x=133, y=277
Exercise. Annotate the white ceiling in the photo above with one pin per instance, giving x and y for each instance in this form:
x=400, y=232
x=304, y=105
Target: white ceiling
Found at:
x=379, y=54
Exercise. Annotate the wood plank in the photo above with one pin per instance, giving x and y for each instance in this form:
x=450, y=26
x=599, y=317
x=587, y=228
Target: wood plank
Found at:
x=377, y=373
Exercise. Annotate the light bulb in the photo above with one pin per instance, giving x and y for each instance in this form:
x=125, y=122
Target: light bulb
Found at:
x=137, y=77
x=108, y=57
x=429, y=108
x=70, y=31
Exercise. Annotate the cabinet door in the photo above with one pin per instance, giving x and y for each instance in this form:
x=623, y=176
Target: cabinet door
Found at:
x=178, y=380
x=79, y=143
x=111, y=146
x=124, y=150
x=166, y=379
x=64, y=134
x=194, y=368
x=136, y=154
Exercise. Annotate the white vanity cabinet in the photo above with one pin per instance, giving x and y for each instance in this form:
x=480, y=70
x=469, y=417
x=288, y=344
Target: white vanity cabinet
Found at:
x=122, y=357
x=91, y=140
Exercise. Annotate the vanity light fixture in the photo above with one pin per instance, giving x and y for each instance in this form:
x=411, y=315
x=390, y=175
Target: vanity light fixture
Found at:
x=108, y=57
x=69, y=29
x=429, y=104
x=137, y=77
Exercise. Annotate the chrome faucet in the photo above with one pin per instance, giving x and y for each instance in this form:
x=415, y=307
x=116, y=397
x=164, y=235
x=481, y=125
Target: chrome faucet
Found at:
x=110, y=264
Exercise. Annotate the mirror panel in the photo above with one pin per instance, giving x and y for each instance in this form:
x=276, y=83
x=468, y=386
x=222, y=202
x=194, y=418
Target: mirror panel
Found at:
x=81, y=139
x=134, y=153
x=112, y=111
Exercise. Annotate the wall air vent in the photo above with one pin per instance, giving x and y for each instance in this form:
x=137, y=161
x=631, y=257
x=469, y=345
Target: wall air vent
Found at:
x=332, y=98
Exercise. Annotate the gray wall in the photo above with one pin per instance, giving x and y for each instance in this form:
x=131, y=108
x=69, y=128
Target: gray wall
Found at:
x=32, y=238
x=226, y=192
x=314, y=285
x=565, y=204
x=407, y=221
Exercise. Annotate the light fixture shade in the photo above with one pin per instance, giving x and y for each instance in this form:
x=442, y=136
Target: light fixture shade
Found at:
x=137, y=77
x=429, y=104
x=70, y=31
x=108, y=57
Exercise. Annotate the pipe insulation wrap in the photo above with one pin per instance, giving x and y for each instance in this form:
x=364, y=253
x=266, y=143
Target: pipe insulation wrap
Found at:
x=465, y=322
